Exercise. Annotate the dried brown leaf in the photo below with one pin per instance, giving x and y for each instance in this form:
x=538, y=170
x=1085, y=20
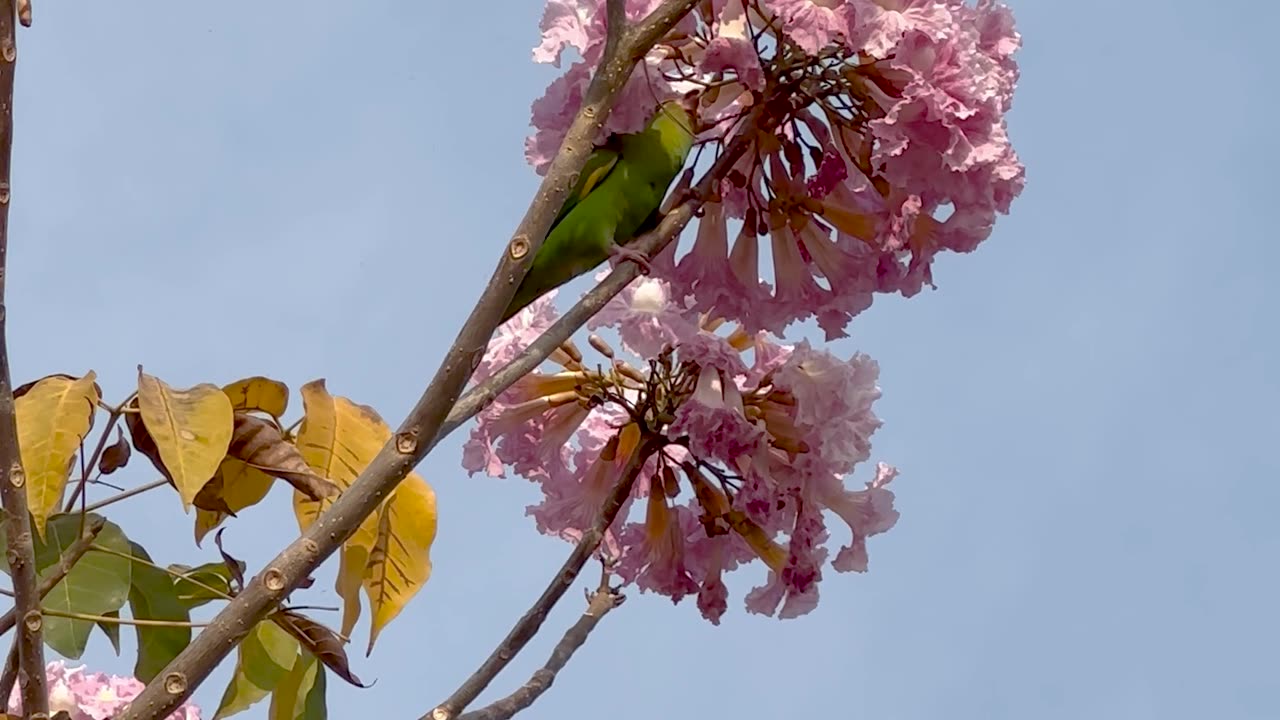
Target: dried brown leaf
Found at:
x=234, y=565
x=259, y=444
x=320, y=641
x=116, y=456
x=142, y=440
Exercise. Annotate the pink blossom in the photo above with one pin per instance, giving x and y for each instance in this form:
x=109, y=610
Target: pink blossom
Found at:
x=647, y=316
x=654, y=558
x=833, y=404
x=812, y=24
x=91, y=696
x=866, y=198
x=569, y=23
x=723, y=280
x=733, y=48
x=714, y=419
x=753, y=458
x=795, y=585
x=902, y=154
x=867, y=512
x=880, y=24
x=513, y=336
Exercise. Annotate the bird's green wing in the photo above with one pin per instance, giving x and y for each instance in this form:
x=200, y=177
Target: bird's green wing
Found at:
x=601, y=162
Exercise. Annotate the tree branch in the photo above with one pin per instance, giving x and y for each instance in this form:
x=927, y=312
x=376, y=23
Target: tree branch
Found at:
x=68, y=560
x=529, y=623
x=411, y=442
x=13, y=492
x=599, y=603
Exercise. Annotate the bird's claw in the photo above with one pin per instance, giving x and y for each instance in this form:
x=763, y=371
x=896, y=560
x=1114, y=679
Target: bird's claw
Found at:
x=619, y=254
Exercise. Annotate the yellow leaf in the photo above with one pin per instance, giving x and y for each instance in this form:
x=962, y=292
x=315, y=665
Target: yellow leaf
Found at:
x=206, y=521
x=259, y=393
x=53, y=418
x=338, y=439
x=191, y=429
x=234, y=487
x=351, y=564
x=400, y=562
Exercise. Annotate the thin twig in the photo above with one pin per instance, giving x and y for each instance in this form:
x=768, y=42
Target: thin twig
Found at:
x=116, y=413
x=529, y=623
x=176, y=575
x=599, y=603
x=125, y=495
x=66, y=561
x=122, y=621
x=410, y=443
x=13, y=491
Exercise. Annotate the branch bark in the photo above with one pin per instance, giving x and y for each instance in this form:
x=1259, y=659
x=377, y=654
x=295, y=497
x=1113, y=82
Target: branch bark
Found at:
x=529, y=623
x=417, y=434
x=13, y=492
x=604, y=599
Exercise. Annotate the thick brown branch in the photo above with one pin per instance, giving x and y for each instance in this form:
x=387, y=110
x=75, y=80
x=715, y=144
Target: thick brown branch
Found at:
x=13, y=491
x=604, y=599
x=529, y=623
x=66, y=561
x=416, y=435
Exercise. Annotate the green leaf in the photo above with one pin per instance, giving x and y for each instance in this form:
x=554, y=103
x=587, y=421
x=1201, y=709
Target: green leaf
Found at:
x=112, y=631
x=97, y=585
x=265, y=657
x=313, y=705
x=300, y=695
x=153, y=596
x=196, y=592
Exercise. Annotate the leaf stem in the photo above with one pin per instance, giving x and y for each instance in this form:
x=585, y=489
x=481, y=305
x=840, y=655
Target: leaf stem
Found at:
x=125, y=495
x=116, y=413
x=169, y=571
x=122, y=621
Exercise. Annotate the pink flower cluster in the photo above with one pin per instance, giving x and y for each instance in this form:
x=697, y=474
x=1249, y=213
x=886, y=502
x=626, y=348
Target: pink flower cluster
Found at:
x=91, y=696
x=756, y=439
x=898, y=152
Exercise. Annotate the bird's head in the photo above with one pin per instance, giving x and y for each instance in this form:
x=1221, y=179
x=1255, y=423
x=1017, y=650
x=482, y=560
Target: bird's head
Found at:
x=675, y=127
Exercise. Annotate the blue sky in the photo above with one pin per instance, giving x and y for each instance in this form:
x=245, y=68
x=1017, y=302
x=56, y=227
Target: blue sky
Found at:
x=1081, y=411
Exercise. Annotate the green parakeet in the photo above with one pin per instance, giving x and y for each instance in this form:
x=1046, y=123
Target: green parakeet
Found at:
x=617, y=196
